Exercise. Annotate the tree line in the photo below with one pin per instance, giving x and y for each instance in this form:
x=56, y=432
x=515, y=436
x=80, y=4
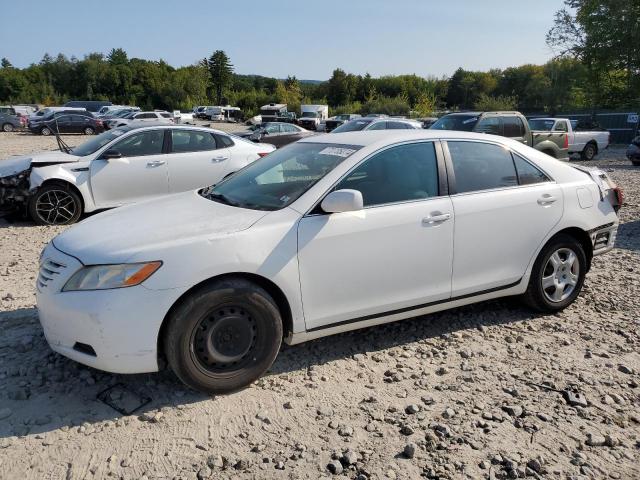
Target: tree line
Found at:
x=597, y=66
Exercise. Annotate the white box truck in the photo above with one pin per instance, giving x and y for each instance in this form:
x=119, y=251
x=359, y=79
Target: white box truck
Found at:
x=312, y=115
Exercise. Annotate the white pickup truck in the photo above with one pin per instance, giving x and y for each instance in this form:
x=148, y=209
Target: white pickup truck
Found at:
x=584, y=139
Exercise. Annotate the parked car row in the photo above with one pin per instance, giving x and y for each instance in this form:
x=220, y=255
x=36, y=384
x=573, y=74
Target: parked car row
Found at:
x=296, y=245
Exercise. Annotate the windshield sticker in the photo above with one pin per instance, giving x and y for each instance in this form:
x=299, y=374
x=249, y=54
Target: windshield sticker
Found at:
x=469, y=120
x=337, y=152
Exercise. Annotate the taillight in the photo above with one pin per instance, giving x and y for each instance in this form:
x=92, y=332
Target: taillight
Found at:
x=263, y=154
x=619, y=193
x=566, y=141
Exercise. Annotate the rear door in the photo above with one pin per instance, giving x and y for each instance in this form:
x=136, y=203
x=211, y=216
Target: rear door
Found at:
x=504, y=208
x=195, y=160
x=140, y=173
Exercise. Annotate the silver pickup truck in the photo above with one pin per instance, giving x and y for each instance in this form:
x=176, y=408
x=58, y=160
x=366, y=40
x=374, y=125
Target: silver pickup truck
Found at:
x=585, y=139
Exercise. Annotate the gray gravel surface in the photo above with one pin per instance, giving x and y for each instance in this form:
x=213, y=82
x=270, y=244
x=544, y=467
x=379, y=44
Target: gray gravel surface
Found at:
x=475, y=392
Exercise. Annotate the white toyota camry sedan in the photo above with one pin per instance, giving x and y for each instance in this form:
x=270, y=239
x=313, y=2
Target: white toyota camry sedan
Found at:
x=332, y=233
x=118, y=167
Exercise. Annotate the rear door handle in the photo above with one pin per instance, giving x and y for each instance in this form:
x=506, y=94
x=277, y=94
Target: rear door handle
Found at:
x=438, y=218
x=546, y=199
x=155, y=163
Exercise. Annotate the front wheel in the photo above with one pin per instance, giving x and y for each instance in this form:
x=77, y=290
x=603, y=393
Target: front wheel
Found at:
x=223, y=336
x=89, y=131
x=557, y=275
x=55, y=205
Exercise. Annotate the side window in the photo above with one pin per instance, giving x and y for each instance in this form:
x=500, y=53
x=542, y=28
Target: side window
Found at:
x=287, y=128
x=481, y=166
x=512, y=127
x=223, y=140
x=142, y=116
x=143, y=143
x=561, y=127
x=398, y=174
x=273, y=129
x=398, y=126
x=378, y=126
x=527, y=173
x=191, y=141
x=489, y=125
x=165, y=115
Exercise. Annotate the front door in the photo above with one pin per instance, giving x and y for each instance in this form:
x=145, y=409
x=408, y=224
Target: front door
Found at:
x=140, y=173
x=504, y=208
x=394, y=254
x=195, y=160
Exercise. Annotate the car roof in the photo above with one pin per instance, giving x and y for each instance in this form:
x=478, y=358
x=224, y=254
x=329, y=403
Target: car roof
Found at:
x=163, y=126
x=384, y=137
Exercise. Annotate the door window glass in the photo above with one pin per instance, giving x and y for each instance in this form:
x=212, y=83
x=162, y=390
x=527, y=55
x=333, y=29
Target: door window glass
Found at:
x=527, y=173
x=489, y=125
x=398, y=126
x=512, y=127
x=378, y=126
x=481, y=166
x=192, y=141
x=398, y=174
x=272, y=129
x=143, y=143
x=561, y=127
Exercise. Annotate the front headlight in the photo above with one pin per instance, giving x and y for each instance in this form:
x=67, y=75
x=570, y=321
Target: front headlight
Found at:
x=104, y=277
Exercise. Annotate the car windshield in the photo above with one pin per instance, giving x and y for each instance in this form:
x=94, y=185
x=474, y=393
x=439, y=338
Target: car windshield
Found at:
x=281, y=177
x=463, y=123
x=541, y=124
x=353, y=126
x=96, y=143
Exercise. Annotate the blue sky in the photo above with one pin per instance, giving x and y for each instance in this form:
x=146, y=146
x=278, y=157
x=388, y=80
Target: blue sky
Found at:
x=285, y=37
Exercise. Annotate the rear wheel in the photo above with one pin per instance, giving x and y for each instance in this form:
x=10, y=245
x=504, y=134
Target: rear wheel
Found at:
x=89, y=131
x=223, y=336
x=557, y=275
x=589, y=151
x=7, y=127
x=55, y=204
x=46, y=131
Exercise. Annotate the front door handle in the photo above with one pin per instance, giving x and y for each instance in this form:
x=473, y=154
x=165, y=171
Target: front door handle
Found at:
x=546, y=199
x=155, y=163
x=437, y=218
x=219, y=158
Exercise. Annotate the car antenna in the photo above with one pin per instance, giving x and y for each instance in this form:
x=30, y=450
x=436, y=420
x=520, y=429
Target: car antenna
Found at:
x=61, y=144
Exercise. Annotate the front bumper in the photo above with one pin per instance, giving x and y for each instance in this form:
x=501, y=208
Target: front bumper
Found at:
x=603, y=238
x=120, y=326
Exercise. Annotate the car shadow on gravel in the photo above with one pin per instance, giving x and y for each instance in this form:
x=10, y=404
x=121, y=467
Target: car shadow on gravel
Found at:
x=44, y=391
x=628, y=237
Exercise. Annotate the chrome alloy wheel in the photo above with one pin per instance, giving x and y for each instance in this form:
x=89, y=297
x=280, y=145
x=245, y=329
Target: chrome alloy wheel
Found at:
x=560, y=275
x=56, y=207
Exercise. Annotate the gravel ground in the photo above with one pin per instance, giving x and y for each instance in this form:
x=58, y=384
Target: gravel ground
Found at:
x=474, y=392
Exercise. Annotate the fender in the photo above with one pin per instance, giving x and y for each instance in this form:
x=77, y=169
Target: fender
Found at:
x=77, y=174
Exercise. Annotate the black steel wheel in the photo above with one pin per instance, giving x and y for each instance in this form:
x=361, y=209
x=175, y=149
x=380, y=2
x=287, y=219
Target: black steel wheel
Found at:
x=223, y=336
x=589, y=151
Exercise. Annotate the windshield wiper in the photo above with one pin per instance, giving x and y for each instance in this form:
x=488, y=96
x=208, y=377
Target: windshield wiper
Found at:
x=222, y=198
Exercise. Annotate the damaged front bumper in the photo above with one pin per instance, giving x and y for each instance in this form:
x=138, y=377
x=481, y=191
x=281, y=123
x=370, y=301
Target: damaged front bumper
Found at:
x=15, y=192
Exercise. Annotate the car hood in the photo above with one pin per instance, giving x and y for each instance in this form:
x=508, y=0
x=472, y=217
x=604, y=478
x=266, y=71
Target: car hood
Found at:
x=141, y=231
x=14, y=165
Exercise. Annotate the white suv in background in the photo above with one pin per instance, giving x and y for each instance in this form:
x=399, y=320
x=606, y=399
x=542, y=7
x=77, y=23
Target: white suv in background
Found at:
x=136, y=118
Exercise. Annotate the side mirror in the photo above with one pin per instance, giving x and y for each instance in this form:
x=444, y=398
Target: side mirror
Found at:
x=111, y=154
x=341, y=201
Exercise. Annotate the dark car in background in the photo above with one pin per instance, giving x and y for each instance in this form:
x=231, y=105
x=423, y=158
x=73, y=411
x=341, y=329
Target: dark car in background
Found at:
x=67, y=121
x=9, y=119
x=337, y=120
x=89, y=105
x=275, y=133
x=633, y=152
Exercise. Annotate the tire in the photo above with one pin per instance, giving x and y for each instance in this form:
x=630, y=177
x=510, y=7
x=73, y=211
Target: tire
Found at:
x=8, y=127
x=196, y=339
x=551, y=153
x=55, y=204
x=46, y=131
x=89, y=131
x=588, y=152
x=557, y=296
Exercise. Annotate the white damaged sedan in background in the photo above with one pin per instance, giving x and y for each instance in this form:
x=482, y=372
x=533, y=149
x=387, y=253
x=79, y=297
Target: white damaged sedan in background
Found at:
x=332, y=233
x=118, y=167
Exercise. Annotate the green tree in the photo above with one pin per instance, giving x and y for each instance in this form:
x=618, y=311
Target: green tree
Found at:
x=501, y=102
x=5, y=63
x=221, y=73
